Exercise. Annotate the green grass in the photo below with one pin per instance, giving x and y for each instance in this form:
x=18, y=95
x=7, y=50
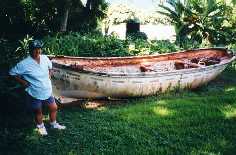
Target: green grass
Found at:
x=196, y=122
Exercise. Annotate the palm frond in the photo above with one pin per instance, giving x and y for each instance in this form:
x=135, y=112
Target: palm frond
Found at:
x=169, y=10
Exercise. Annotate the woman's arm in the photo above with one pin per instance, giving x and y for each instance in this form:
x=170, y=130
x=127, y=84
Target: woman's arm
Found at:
x=21, y=81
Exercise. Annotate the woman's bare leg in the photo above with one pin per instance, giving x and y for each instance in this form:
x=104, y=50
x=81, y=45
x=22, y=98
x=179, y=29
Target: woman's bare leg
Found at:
x=52, y=111
x=38, y=116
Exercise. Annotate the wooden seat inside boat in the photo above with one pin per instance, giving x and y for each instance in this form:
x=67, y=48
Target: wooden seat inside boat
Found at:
x=180, y=64
x=162, y=66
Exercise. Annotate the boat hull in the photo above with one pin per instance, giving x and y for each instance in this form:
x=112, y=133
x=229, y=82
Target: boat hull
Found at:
x=72, y=84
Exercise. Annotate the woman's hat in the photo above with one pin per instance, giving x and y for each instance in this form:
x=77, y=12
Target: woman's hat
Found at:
x=35, y=44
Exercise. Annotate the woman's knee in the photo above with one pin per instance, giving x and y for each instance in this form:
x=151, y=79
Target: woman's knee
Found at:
x=53, y=107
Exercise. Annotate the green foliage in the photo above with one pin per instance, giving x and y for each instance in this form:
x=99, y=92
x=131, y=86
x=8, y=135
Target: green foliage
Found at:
x=75, y=44
x=232, y=47
x=136, y=35
x=163, y=46
x=196, y=20
x=143, y=47
x=40, y=18
x=86, y=18
x=23, y=49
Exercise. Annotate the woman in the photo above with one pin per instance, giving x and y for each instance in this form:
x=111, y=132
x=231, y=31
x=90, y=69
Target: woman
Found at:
x=34, y=73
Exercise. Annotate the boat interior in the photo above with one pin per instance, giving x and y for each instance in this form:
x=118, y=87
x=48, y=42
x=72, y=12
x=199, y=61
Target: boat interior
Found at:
x=155, y=63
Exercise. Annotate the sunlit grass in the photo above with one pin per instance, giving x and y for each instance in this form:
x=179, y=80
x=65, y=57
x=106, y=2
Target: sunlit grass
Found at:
x=230, y=112
x=230, y=89
x=162, y=111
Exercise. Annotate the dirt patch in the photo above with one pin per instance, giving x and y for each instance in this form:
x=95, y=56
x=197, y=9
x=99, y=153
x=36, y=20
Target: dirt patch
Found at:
x=93, y=104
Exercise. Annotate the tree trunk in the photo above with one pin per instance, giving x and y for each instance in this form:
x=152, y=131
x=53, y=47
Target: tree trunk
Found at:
x=64, y=19
x=88, y=4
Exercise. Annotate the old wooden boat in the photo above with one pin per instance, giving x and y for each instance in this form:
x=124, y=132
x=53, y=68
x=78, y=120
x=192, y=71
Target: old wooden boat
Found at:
x=118, y=77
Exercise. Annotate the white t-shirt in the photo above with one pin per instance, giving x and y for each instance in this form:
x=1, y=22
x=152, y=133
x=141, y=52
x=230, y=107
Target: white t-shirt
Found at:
x=37, y=75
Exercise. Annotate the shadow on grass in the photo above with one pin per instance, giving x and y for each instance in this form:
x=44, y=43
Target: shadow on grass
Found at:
x=226, y=79
x=15, y=119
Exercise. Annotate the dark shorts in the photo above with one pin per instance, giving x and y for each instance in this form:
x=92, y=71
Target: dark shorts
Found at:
x=37, y=104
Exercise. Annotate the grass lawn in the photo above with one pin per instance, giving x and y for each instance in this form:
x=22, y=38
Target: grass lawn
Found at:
x=202, y=121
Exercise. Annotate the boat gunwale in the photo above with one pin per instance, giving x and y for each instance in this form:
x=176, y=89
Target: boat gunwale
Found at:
x=144, y=74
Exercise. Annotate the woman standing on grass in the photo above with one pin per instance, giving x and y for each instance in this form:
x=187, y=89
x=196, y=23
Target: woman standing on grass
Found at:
x=34, y=73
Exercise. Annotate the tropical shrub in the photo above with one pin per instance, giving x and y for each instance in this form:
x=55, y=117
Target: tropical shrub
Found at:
x=136, y=35
x=86, y=45
x=196, y=20
x=143, y=47
x=75, y=44
x=139, y=47
x=232, y=47
x=162, y=46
